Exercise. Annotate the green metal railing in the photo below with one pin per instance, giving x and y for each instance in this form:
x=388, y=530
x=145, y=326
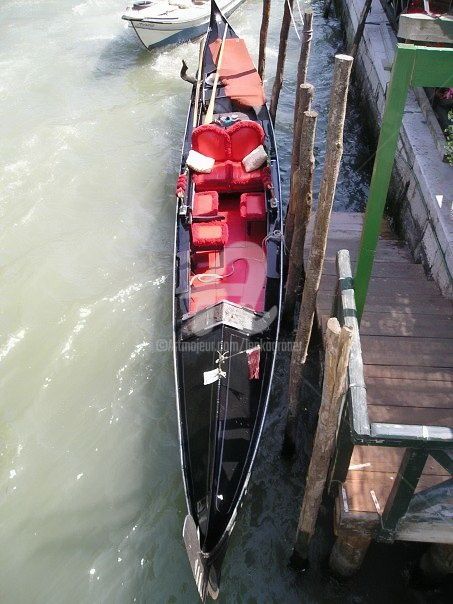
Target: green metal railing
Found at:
x=413, y=66
x=356, y=428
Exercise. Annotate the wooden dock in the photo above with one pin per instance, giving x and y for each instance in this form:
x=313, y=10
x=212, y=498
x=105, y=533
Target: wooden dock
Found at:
x=406, y=337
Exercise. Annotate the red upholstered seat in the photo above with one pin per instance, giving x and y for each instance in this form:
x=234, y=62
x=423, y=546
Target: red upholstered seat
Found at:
x=229, y=176
x=209, y=235
x=205, y=204
x=213, y=141
x=244, y=137
x=234, y=143
x=218, y=179
x=253, y=206
x=245, y=181
x=228, y=148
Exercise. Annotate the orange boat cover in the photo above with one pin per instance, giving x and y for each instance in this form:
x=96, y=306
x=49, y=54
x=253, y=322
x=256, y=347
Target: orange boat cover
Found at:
x=238, y=74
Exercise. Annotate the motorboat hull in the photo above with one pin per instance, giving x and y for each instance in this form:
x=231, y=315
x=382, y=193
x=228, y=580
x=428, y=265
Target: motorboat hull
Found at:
x=154, y=33
x=151, y=35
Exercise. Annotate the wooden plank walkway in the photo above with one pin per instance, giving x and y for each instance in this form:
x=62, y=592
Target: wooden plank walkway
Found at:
x=407, y=347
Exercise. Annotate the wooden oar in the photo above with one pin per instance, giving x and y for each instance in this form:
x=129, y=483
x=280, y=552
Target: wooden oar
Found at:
x=199, y=80
x=210, y=112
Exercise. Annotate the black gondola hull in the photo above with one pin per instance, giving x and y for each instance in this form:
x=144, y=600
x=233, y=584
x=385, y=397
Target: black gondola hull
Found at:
x=221, y=415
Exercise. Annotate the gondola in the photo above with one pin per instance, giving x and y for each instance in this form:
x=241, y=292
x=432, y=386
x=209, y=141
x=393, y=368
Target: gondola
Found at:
x=227, y=291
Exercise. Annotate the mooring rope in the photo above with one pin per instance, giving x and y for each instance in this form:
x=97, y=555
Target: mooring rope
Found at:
x=299, y=11
x=276, y=235
x=215, y=276
x=293, y=19
x=223, y=356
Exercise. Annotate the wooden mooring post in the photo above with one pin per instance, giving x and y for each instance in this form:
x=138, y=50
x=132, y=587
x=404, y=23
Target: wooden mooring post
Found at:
x=348, y=552
x=286, y=22
x=301, y=93
x=307, y=33
x=301, y=196
x=338, y=343
x=263, y=37
x=306, y=97
x=337, y=113
x=352, y=50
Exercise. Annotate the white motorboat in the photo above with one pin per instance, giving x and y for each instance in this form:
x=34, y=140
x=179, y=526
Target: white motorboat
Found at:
x=159, y=22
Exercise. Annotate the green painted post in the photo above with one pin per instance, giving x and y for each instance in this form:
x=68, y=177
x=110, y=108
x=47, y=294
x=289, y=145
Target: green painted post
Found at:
x=382, y=170
x=402, y=491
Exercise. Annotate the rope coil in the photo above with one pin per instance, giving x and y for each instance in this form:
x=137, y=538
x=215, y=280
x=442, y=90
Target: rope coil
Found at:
x=215, y=276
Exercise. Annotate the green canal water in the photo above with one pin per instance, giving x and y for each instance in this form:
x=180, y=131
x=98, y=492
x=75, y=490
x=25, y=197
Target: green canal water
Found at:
x=91, y=498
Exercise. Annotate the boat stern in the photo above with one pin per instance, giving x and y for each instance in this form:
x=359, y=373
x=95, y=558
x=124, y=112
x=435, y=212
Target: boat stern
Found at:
x=203, y=567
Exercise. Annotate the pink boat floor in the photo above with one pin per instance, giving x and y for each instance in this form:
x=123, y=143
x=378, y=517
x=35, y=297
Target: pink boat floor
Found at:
x=242, y=264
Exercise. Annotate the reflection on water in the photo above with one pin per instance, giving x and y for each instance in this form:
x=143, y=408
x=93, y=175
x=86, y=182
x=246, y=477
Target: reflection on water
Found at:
x=91, y=498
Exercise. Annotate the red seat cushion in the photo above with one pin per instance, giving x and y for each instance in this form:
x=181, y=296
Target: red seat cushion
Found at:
x=245, y=181
x=209, y=235
x=205, y=204
x=229, y=176
x=253, y=206
x=244, y=136
x=218, y=179
x=213, y=141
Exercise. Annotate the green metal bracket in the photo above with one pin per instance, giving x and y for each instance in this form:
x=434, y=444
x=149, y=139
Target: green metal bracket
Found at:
x=413, y=66
x=403, y=489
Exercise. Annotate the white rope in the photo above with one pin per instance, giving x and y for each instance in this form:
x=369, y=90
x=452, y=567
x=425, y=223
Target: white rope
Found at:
x=214, y=276
x=202, y=278
x=299, y=10
x=225, y=356
x=293, y=20
x=276, y=235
